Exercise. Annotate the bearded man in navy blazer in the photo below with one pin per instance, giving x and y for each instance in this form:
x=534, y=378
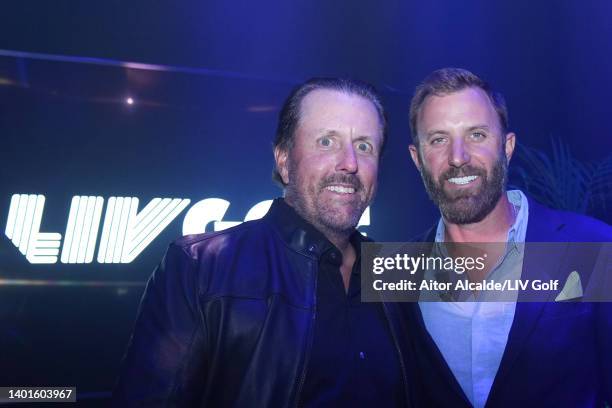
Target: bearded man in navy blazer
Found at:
x=500, y=354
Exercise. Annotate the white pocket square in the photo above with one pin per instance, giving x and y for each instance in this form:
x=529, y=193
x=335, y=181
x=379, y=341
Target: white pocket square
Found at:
x=572, y=288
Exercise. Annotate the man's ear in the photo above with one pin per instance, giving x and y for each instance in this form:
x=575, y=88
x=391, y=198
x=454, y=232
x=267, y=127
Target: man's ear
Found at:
x=414, y=154
x=509, y=145
x=280, y=157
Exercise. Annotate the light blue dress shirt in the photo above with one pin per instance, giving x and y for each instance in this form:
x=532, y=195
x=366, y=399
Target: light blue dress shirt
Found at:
x=472, y=336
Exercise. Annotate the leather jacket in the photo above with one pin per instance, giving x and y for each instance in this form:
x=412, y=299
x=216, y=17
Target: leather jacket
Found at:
x=227, y=319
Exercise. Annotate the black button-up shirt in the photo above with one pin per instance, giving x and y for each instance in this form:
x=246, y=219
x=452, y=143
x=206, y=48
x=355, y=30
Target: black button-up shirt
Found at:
x=353, y=361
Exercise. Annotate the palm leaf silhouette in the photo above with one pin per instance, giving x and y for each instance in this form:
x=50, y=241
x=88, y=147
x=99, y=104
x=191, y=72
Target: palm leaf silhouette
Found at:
x=561, y=181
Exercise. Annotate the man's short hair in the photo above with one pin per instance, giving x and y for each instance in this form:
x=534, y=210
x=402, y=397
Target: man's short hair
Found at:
x=446, y=81
x=289, y=115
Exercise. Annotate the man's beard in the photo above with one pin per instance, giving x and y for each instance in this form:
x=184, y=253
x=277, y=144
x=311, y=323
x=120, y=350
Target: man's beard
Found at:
x=324, y=214
x=468, y=207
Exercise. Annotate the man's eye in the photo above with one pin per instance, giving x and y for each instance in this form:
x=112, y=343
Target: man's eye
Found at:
x=477, y=136
x=325, y=141
x=437, y=140
x=364, y=147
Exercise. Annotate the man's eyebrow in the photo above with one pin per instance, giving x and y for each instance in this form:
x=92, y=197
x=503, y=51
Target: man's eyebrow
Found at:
x=436, y=132
x=333, y=132
x=363, y=137
x=476, y=127
x=444, y=132
x=326, y=131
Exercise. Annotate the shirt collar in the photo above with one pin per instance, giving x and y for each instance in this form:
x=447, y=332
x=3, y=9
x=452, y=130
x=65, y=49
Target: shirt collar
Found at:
x=517, y=231
x=302, y=236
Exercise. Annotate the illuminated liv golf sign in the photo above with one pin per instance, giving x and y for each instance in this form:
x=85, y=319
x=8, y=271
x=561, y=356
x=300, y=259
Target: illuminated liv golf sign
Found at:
x=126, y=232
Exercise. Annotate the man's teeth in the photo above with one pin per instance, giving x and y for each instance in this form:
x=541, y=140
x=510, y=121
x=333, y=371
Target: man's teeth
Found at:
x=462, y=180
x=341, y=190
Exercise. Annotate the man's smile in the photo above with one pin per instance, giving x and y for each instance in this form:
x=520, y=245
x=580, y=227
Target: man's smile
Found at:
x=462, y=180
x=340, y=189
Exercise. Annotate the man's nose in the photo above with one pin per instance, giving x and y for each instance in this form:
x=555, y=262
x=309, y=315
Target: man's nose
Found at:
x=459, y=154
x=347, y=160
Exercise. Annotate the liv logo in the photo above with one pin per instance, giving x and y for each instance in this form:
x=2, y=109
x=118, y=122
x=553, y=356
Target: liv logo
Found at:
x=23, y=228
x=126, y=232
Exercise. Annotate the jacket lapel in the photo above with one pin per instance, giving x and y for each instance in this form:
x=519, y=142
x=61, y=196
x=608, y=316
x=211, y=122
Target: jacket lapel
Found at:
x=426, y=345
x=433, y=354
x=536, y=265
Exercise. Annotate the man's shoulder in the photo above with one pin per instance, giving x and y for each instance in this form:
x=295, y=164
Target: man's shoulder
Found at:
x=249, y=232
x=584, y=226
x=575, y=226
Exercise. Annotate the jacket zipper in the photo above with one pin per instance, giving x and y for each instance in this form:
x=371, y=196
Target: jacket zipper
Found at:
x=399, y=353
x=302, y=378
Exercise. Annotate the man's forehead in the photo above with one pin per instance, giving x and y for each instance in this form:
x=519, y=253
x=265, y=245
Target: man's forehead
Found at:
x=462, y=106
x=320, y=99
x=324, y=108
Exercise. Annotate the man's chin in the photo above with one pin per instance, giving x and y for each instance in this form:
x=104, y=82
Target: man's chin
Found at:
x=340, y=218
x=466, y=210
x=458, y=205
x=451, y=194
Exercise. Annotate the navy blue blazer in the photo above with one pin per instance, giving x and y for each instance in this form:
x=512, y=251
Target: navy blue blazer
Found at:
x=558, y=354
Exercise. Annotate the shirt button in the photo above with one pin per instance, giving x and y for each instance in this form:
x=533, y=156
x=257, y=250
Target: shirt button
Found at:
x=312, y=248
x=361, y=355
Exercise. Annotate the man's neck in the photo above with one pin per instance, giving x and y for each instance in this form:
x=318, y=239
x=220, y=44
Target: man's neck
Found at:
x=340, y=240
x=493, y=228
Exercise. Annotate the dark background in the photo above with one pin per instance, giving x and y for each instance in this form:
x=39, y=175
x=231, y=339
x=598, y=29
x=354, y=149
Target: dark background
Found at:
x=205, y=115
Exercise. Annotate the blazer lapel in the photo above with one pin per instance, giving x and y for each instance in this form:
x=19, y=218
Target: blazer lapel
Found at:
x=427, y=346
x=433, y=354
x=536, y=265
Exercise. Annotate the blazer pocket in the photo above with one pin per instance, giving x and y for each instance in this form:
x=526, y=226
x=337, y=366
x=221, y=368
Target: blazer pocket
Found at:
x=567, y=310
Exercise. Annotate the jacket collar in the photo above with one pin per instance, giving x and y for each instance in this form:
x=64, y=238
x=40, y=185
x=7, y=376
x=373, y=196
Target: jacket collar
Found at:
x=544, y=225
x=299, y=234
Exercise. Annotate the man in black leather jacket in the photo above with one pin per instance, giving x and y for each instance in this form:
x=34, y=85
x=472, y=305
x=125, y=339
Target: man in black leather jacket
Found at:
x=268, y=313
